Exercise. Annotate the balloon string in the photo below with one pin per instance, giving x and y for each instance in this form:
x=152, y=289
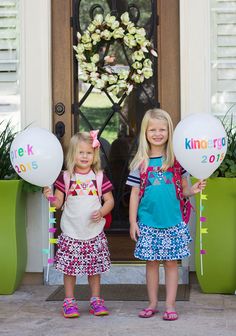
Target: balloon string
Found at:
x=200, y=234
x=49, y=245
x=50, y=235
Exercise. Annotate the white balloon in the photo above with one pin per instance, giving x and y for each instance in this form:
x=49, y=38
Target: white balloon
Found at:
x=200, y=144
x=37, y=156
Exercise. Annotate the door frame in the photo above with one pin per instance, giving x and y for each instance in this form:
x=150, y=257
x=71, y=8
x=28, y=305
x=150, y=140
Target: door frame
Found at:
x=168, y=43
x=62, y=69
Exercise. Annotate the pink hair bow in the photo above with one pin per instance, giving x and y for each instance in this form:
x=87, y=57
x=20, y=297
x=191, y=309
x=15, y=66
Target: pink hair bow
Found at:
x=94, y=136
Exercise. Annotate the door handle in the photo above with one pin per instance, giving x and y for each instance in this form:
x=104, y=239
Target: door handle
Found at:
x=59, y=129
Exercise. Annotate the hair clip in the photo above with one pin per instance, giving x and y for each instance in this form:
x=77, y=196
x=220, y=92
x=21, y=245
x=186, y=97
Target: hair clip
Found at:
x=94, y=134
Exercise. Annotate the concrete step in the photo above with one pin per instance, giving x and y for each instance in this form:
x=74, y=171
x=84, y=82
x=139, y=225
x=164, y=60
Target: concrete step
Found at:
x=119, y=274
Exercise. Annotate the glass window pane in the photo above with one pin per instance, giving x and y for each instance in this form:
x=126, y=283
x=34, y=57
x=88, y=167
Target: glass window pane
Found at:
x=223, y=56
x=9, y=61
x=117, y=117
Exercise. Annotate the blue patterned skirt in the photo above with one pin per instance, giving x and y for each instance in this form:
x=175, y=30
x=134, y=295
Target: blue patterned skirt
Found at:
x=163, y=244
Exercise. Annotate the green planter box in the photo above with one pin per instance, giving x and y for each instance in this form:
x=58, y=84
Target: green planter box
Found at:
x=219, y=262
x=13, y=246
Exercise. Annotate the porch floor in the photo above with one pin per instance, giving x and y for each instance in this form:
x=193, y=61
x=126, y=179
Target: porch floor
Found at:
x=27, y=313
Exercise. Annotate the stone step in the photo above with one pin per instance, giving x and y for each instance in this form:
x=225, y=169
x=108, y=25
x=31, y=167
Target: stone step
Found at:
x=119, y=274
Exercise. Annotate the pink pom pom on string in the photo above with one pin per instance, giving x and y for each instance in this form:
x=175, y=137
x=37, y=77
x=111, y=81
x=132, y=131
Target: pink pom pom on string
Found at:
x=52, y=199
x=51, y=231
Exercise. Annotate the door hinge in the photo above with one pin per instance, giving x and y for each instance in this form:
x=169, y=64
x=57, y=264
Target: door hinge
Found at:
x=157, y=20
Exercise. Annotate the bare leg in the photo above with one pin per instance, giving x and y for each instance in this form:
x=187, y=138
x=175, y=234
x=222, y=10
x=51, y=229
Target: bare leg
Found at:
x=171, y=279
x=69, y=284
x=94, y=283
x=152, y=278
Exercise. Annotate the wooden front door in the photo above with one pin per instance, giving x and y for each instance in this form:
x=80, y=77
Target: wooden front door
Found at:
x=77, y=106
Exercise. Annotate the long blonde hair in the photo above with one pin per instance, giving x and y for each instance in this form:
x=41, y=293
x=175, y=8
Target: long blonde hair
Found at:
x=73, y=149
x=141, y=158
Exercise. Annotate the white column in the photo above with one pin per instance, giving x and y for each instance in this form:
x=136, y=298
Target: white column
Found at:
x=195, y=56
x=35, y=60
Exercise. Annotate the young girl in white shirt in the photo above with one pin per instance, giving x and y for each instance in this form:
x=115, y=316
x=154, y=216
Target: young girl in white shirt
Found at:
x=82, y=245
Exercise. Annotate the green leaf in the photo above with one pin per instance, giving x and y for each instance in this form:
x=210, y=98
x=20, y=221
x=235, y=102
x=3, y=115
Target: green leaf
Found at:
x=228, y=166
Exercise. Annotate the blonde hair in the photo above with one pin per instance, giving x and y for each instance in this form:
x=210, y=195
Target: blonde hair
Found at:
x=73, y=149
x=141, y=158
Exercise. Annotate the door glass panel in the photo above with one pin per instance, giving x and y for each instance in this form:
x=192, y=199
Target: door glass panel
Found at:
x=117, y=119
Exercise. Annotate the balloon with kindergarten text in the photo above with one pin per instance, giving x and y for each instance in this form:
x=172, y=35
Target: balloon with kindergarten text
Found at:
x=200, y=144
x=37, y=156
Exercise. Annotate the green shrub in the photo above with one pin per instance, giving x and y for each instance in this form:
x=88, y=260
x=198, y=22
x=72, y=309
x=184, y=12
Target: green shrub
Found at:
x=6, y=137
x=228, y=166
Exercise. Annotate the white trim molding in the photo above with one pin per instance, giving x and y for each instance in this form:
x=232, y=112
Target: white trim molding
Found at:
x=36, y=83
x=36, y=109
x=195, y=56
x=195, y=70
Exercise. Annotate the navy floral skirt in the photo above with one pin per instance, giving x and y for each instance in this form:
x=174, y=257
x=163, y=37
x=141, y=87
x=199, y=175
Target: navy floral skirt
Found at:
x=82, y=257
x=163, y=244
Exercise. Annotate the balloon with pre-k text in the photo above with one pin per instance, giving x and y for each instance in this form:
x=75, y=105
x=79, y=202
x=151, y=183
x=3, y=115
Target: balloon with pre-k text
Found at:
x=37, y=156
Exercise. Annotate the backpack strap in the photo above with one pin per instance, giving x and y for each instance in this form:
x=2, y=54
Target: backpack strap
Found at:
x=66, y=178
x=185, y=203
x=99, y=179
x=176, y=170
x=143, y=180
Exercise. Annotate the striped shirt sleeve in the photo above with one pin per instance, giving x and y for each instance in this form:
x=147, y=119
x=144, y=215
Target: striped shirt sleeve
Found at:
x=106, y=185
x=59, y=184
x=184, y=172
x=134, y=178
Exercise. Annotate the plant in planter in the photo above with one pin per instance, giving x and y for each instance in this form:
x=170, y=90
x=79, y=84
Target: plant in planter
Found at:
x=6, y=137
x=228, y=166
x=215, y=263
x=13, y=245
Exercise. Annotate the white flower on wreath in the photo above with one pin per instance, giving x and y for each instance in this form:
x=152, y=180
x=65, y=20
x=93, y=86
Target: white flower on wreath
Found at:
x=98, y=33
x=125, y=18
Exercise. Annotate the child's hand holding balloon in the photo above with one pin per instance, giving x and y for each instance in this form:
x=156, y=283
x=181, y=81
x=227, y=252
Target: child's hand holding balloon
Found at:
x=198, y=187
x=47, y=191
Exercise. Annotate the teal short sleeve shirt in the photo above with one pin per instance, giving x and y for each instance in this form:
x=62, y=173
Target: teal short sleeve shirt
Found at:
x=159, y=206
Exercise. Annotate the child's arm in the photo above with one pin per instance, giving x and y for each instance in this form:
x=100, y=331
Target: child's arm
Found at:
x=194, y=189
x=133, y=210
x=108, y=205
x=59, y=197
